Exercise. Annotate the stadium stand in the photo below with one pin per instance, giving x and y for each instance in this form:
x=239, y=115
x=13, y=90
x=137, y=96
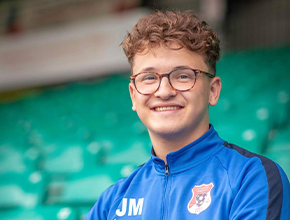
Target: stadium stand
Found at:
x=61, y=146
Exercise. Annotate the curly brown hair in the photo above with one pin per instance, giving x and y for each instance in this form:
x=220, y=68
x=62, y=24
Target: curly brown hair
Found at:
x=165, y=28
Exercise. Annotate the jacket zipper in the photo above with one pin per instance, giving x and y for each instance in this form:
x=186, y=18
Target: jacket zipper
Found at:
x=166, y=173
x=166, y=170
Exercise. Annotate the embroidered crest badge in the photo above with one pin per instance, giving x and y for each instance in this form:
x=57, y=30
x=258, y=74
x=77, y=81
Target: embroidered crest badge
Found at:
x=201, y=198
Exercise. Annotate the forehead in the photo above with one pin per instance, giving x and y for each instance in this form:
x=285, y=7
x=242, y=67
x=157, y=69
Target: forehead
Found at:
x=164, y=59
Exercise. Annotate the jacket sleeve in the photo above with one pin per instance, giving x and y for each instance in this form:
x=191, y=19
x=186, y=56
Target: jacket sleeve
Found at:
x=262, y=193
x=285, y=211
x=102, y=207
x=98, y=211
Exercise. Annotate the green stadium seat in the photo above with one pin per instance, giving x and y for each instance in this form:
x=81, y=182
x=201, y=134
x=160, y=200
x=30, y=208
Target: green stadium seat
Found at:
x=21, y=190
x=63, y=157
x=15, y=158
x=82, y=211
x=246, y=126
x=81, y=189
x=40, y=212
x=279, y=148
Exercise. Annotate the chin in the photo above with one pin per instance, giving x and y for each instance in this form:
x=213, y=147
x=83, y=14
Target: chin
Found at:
x=166, y=130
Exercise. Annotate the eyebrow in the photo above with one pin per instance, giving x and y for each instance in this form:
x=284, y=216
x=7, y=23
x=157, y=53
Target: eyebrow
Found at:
x=177, y=67
x=153, y=69
x=148, y=69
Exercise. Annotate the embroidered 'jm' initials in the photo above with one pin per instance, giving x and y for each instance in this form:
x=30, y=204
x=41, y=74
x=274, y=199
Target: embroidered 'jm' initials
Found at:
x=134, y=209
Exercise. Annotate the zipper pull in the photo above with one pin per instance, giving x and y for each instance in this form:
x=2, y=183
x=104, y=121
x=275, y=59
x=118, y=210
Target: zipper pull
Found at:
x=166, y=170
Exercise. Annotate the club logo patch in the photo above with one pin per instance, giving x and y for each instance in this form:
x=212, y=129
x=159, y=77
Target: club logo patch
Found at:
x=201, y=198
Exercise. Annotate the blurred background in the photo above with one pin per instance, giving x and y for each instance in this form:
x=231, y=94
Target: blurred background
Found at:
x=67, y=130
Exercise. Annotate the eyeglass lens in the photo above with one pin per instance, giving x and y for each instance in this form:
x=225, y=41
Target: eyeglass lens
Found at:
x=180, y=79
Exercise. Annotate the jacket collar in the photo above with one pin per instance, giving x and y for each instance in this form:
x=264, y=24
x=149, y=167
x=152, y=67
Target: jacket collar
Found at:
x=191, y=154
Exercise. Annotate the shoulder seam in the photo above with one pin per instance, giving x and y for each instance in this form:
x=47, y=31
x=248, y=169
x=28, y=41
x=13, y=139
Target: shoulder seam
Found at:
x=227, y=173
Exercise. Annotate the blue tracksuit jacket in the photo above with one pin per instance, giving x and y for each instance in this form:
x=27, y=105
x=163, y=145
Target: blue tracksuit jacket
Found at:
x=207, y=179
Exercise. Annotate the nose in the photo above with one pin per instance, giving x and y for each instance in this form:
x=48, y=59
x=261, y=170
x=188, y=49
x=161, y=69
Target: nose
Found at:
x=165, y=90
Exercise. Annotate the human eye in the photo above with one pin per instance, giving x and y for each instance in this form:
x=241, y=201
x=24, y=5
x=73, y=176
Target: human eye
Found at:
x=149, y=78
x=183, y=75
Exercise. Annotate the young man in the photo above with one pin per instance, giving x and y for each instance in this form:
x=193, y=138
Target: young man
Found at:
x=192, y=173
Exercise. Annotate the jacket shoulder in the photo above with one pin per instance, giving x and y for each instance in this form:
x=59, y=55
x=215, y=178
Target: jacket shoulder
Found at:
x=254, y=174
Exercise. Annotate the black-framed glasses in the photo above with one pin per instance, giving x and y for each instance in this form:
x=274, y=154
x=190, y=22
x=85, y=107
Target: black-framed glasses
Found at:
x=180, y=79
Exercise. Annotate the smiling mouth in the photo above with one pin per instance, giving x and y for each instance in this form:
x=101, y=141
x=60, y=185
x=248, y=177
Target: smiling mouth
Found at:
x=167, y=108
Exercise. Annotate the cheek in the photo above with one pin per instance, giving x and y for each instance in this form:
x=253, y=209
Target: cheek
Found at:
x=203, y=95
x=142, y=109
x=140, y=102
x=203, y=92
x=198, y=98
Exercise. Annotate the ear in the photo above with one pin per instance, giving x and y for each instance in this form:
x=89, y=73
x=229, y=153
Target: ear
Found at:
x=215, y=89
x=132, y=95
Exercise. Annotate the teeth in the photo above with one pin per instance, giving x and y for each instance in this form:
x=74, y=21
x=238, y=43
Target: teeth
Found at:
x=168, y=108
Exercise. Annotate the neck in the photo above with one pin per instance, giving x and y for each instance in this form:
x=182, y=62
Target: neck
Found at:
x=164, y=144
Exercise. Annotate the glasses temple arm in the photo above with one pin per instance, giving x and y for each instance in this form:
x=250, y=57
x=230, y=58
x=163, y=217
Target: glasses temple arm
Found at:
x=208, y=74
